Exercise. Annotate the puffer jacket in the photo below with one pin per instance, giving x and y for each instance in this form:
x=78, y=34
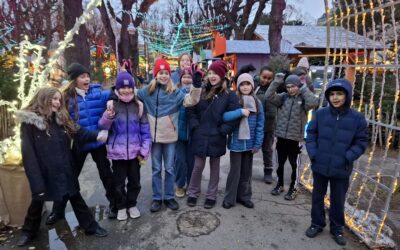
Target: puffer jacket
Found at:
x=336, y=137
x=292, y=111
x=163, y=110
x=90, y=109
x=269, y=109
x=129, y=131
x=256, y=125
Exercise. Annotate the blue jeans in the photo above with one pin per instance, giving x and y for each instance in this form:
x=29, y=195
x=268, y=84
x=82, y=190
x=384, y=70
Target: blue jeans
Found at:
x=184, y=162
x=160, y=151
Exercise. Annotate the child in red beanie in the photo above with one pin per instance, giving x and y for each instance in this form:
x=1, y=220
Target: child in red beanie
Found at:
x=162, y=102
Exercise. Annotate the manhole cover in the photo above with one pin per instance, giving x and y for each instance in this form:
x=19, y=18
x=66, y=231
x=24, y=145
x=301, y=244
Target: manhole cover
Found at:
x=195, y=223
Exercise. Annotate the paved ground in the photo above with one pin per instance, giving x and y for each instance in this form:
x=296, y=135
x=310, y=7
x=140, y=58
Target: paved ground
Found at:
x=273, y=224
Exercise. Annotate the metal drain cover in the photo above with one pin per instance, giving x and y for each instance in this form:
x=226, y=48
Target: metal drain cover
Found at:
x=195, y=223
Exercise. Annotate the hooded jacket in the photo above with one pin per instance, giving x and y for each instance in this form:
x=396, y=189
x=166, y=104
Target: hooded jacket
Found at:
x=336, y=137
x=163, y=110
x=292, y=111
x=129, y=131
x=47, y=157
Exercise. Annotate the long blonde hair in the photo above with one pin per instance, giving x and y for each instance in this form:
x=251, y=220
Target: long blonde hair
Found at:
x=153, y=85
x=41, y=104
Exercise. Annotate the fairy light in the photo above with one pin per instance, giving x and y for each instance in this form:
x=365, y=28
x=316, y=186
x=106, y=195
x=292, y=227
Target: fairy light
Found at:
x=359, y=220
x=10, y=151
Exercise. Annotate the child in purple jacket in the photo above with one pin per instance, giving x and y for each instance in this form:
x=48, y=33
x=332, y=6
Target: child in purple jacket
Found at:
x=129, y=140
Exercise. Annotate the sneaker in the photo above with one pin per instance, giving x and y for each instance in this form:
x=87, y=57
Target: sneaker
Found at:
x=339, y=239
x=291, y=194
x=24, y=239
x=313, y=231
x=268, y=179
x=277, y=190
x=208, y=204
x=171, y=204
x=122, y=215
x=191, y=201
x=155, y=206
x=134, y=212
x=180, y=192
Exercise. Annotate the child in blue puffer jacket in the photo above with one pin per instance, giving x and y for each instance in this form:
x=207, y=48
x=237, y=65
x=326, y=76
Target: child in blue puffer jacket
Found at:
x=128, y=141
x=336, y=137
x=86, y=103
x=243, y=143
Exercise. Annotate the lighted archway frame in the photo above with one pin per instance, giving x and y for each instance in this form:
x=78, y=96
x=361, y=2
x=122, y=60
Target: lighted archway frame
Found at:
x=370, y=177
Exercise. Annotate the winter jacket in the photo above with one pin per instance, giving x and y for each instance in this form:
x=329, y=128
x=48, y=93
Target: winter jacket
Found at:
x=206, y=125
x=90, y=110
x=292, y=111
x=129, y=131
x=269, y=108
x=336, y=138
x=256, y=125
x=47, y=156
x=163, y=110
x=183, y=129
x=175, y=76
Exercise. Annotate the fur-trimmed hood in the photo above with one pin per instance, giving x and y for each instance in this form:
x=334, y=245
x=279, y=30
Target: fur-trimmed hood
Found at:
x=32, y=118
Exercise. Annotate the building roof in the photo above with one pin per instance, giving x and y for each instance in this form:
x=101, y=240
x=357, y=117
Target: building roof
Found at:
x=256, y=47
x=315, y=37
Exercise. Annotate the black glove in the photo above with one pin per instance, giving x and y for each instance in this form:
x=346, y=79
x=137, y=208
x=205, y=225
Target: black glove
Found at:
x=197, y=77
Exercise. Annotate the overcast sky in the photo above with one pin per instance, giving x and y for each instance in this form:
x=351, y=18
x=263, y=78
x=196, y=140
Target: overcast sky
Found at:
x=311, y=9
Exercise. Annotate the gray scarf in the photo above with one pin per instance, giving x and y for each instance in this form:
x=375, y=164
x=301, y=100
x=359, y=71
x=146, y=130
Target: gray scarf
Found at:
x=249, y=103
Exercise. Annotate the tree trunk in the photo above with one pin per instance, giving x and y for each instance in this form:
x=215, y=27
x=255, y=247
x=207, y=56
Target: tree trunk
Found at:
x=275, y=28
x=80, y=53
x=135, y=52
x=249, y=32
x=107, y=25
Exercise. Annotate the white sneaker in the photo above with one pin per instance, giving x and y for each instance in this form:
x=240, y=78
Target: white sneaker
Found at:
x=134, y=212
x=122, y=215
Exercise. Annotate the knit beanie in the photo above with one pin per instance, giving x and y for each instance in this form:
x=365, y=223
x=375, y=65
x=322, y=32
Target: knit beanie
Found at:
x=245, y=77
x=75, y=69
x=186, y=71
x=124, y=79
x=161, y=64
x=293, y=79
x=219, y=67
x=303, y=63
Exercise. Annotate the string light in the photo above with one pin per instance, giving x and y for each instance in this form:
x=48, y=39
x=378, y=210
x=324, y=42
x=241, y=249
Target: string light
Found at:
x=10, y=152
x=368, y=226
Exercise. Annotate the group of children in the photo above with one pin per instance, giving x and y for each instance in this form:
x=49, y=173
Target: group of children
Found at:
x=180, y=121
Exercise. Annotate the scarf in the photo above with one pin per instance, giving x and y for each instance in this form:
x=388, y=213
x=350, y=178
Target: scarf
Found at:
x=250, y=104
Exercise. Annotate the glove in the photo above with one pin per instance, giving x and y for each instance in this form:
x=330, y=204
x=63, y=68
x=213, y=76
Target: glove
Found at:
x=197, y=77
x=279, y=77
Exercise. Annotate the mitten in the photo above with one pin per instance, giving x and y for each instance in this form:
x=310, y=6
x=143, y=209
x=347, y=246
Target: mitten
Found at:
x=197, y=76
